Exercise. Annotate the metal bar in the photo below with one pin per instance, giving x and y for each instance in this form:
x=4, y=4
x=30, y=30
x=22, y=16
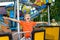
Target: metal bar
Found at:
x=18, y=19
x=48, y=16
x=21, y=32
x=14, y=11
x=41, y=17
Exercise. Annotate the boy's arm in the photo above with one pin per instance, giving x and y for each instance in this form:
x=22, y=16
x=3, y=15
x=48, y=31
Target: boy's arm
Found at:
x=42, y=22
x=11, y=19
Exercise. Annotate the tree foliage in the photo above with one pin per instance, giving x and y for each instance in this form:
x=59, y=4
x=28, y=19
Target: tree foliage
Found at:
x=54, y=12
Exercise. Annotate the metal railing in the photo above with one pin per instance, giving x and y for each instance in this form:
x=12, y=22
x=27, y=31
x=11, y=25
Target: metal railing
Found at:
x=15, y=35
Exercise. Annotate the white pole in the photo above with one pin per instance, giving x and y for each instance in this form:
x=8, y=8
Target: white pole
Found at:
x=41, y=17
x=48, y=16
x=18, y=19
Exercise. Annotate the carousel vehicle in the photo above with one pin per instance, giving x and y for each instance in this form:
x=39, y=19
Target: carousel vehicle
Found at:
x=40, y=32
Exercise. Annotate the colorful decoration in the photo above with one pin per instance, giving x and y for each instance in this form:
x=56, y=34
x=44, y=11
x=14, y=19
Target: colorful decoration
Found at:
x=10, y=5
x=26, y=9
x=33, y=12
x=43, y=6
x=24, y=1
x=8, y=13
x=38, y=2
x=50, y=1
x=1, y=16
x=11, y=13
x=47, y=1
x=42, y=2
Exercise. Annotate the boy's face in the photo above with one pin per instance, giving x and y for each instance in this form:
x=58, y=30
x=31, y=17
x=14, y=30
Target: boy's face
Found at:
x=27, y=17
x=53, y=20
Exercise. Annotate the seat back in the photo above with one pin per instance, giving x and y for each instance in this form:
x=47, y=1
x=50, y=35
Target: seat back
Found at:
x=5, y=36
x=38, y=35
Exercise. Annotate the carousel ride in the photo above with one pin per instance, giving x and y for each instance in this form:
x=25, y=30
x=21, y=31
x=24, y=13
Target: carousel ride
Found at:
x=34, y=9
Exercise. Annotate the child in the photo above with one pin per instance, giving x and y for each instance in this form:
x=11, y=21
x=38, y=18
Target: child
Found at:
x=54, y=23
x=27, y=25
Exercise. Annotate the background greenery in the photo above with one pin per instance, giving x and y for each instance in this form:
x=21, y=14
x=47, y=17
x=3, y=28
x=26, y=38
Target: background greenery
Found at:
x=54, y=12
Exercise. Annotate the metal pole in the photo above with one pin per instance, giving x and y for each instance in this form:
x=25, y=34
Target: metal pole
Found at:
x=18, y=19
x=41, y=17
x=14, y=11
x=48, y=16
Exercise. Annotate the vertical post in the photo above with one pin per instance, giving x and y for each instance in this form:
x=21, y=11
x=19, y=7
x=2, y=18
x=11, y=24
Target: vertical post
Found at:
x=48, y=16
x=0, y=25
x=41, y=17
x=14, y=11
x=18, y=19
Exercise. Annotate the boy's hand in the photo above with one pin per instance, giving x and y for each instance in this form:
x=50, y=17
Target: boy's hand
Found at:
x=5, y=17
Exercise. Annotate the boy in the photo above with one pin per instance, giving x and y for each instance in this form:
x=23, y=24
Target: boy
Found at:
x=27, y=25
x=54, y=23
